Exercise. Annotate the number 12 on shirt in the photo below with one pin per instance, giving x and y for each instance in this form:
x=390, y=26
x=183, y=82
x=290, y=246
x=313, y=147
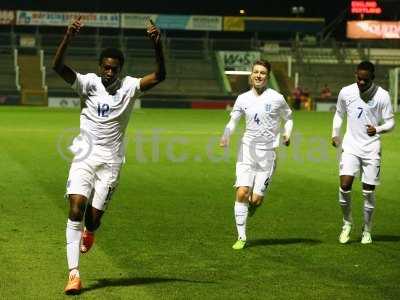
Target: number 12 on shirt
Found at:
x=103, y=110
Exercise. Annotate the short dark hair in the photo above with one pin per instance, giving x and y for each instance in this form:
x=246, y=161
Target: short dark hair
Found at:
x=366, y=66
x=112, y=53
x=264, y=63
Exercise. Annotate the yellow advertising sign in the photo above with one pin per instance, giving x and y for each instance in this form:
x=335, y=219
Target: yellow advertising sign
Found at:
x=234, y=24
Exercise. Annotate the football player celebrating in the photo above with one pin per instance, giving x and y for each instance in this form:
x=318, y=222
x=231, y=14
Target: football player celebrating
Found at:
x=263, y=109
x=107, y=101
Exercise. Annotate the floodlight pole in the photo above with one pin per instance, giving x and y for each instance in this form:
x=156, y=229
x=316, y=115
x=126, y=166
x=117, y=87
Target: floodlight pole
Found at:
x=394, y=87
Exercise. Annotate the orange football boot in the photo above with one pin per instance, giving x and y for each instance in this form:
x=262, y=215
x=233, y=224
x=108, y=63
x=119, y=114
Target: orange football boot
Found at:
x=74, y=285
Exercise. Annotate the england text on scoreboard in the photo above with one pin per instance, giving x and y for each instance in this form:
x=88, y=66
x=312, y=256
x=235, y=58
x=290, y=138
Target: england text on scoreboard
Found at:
x=369, y=7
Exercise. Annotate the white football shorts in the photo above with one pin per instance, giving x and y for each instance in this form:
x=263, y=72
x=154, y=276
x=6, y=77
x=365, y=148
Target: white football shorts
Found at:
x=94, y=180
x=254, y=168
x=351, y=165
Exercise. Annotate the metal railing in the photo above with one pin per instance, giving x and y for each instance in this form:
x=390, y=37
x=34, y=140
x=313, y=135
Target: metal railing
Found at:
x=203, y=47
x=43, y=70
x=16, y=68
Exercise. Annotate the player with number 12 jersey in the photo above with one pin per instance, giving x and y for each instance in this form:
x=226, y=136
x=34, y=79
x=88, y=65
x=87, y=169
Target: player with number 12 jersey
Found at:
x=107, y=101
x=104, y=116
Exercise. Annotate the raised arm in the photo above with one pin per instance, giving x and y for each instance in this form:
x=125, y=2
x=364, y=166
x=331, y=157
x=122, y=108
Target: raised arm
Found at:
x=152, y=79
x=58, y=62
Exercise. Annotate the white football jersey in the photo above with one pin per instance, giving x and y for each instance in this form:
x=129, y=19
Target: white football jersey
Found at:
x=263, y=117
x=356, y=141
x=104, y=117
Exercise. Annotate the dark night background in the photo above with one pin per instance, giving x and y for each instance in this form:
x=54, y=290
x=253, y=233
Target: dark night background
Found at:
x=335, y=12
x=278, y=8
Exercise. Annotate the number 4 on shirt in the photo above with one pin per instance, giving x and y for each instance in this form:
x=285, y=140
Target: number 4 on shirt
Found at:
x=256, y=119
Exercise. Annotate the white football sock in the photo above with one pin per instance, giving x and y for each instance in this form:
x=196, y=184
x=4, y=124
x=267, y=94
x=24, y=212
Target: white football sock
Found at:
x=74, y=273
x=369, y=205
x=241, y=210
x=345, y=204
x=73, y=235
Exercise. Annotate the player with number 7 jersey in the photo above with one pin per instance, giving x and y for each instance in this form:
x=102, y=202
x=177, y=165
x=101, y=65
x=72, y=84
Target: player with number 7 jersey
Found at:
x=369, y=114
x=360, y=115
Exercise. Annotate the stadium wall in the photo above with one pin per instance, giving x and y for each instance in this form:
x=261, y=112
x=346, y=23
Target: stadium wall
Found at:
x=10, y=100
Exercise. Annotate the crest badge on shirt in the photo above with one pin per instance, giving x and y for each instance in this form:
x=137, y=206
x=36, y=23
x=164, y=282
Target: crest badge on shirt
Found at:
x=371, y=103
x=268, y=107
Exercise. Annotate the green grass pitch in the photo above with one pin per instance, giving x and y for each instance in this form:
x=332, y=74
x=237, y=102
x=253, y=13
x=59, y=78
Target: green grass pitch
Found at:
x=169, y=229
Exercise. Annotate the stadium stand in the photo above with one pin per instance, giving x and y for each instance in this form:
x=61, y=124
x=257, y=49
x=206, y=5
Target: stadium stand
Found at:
x=30, y=74
x=190, y=71
x=383, y=56
x=333, y=66
x=7, y=75
x=32, y=78
x=191, y=62
x=315, y=76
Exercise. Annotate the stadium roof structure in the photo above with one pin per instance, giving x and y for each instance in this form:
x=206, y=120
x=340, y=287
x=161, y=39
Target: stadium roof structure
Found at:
x=280, y=8
x=329, y=9
x=334, y=12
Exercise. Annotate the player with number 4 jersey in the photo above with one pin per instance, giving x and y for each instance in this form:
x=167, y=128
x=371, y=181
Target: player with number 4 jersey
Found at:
x=369, y=114
x=263, y=109
x=107, y=101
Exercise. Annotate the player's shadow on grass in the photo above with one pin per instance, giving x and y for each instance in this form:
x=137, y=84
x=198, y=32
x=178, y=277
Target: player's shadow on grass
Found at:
x=386, y=238
x=269, y=242
x=107, y=282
